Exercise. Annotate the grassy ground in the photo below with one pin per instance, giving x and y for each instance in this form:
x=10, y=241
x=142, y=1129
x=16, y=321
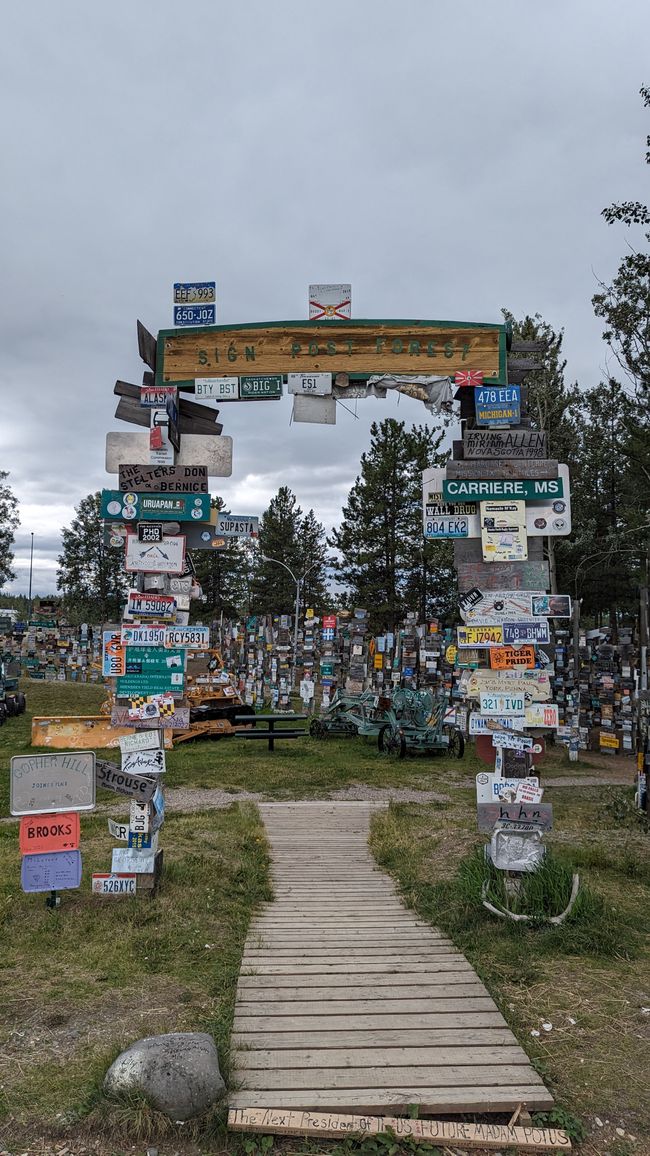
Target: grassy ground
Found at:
x=81, y=982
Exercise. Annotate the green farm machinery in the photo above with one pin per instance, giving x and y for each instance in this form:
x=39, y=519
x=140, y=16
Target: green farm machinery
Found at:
x=415, y=724
x=351, y=715
x=12, y=700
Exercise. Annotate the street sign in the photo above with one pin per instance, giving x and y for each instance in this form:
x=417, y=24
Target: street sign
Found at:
x=503, y=531
x=188, y=637
x=150, y=531
x=112, y=778
x=510, y=444
x=117, y=505
x=535, y=632
x=55, y=871
x=213, y=451
x=152, y=670
x=480, y=635
x=195, y=292
x=532, y=489
x=113, y=657
x=46, y=784
x=508, y=705
x=549, y=516
x=164, y=479
x=512, y=657
x=195, y=315
x=143, y=636
x=497, y=405
x=313, y=384
x=436, y=348
x=517, y=575
x=236, y=525
x=140, y=605
x=165, y=557
x=219, y=388
x=149, y=762
x=330, y=302
x=260, y=388
x=113, y=883
x=40, y=834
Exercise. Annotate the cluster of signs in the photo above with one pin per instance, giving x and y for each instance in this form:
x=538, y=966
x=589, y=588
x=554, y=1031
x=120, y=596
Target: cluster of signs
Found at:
x=47, y=792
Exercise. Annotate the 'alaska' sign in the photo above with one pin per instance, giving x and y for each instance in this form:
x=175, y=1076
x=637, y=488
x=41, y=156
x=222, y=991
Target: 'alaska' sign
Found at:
x=439, y=348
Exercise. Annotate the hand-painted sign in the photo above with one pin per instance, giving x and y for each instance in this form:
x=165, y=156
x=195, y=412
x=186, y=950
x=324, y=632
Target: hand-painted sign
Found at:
x=40, y=834
x=534, y=631
x=509, y=444
x=219, y=388
x=354, y=347
x=512, y=742
x=113, y=656
x=236, y=525
x=144, y=762
x=112, y=778
x=540, y=714
x=195, y=292
x=517, y=575
x=471, y=378
x=491, y=788
x=550, y=606
x=166, y=557
x=481, y=609
x=512, y=657
x=508, y=705
x=135, y=507
x=160, y=606
x=503, y=531
x=495, y=406
x=45, y=784
x=313, y=384
x=535, y=685
x=195, y=315
x=164, y=479
x=130, y=860
x=188, y=637
x=476, y=468
x=143, y=741
x=143, y=636
x=152, y=670
x=531, y=489
x=330, y=302
x=55, y=871
x=533, y=815
x=260, y=388
x=113, y=883
x=480, y=636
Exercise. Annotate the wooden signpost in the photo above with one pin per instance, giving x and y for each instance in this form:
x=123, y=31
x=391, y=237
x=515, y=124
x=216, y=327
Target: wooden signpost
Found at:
x=517, y=468
x=439, y=348
x=500, y=444
x=509, y=575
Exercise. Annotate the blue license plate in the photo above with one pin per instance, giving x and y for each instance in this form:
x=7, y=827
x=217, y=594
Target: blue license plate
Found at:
x=194, y=315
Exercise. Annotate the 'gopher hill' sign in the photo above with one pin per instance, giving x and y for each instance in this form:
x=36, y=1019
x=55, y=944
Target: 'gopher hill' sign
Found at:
x=439, y=348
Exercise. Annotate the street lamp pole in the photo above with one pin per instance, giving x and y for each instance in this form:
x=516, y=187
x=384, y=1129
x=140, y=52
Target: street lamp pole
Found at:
x=298, y=583
x=31, y=568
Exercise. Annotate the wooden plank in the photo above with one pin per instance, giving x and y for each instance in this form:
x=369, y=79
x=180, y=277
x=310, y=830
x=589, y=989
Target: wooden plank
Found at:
x=440, y=965
x=330, y=1023
x=503, y=468
x=365, y=347
x=301, y=964
x=503, y=575
x=432, y=1132
x=163, y=479
x=444, y=1077
x=430, y=1004
x=377, y=1057
x=430, y=1100
x=146, y=346
x=215, y=451
x=131, y=411
x=297, y=982
x=331, y=1042
x=423, y=991
x=510, y=444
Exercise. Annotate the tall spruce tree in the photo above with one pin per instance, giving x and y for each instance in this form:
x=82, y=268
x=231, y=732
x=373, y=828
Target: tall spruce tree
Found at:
x=289, y=538
x=382, y=559
x=90, y=574
x=9, y=521
x=312, y=553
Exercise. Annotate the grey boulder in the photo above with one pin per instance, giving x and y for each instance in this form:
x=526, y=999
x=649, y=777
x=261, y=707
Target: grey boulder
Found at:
x=177, y=1073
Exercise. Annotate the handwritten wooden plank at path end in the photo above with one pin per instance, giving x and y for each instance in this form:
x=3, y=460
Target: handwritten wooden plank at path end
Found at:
x=331, y=1124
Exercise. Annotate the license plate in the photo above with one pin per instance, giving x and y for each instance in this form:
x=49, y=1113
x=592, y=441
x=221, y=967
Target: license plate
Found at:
x=194, y=315
x=113, y=884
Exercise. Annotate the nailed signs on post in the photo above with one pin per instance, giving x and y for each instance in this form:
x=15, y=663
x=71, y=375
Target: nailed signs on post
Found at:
x=510, y=444
x=164, y=479
x=503, y=468
x=481, y=609
x=544, y=516
x=518, y=632
x=505, y=705
x=152, y=670
x=112, y=778
x=117, y=505
x=165, y=557
x=503, y=531
x=480, y=489
x=497, y=405
x=517, y=575
x=512, y=657
x=44, y=784
x=139, y=605
x=330, y=302
x=211, y=450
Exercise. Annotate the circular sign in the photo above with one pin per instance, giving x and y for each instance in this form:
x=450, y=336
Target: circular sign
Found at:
x=130, y=499
x=114, y=507
x=196, y=514
x=559, y=507
x=539, y=523
x=451, y=653
x=129, y=511
x=206, y=536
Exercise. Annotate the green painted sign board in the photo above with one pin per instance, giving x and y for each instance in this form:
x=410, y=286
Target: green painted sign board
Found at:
x=259, y=388
x=152, y=670
x=123, y=506
x=532, y=489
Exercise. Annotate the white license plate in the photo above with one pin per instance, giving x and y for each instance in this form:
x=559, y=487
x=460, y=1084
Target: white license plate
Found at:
x=114, y=884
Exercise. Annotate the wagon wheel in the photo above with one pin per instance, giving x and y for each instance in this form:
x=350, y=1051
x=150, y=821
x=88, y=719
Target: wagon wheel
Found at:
x=22, y=703
x=316, y=729
x=390, y=742
x=456, y=743
x=11, y=706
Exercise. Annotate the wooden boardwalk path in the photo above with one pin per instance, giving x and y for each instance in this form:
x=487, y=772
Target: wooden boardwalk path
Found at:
x=347, y=1002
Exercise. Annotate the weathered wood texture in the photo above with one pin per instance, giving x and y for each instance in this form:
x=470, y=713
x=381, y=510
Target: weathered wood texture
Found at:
x=533, y=575
x=349, y=1002
x=146, y=346
x=535, y=468
x=372, y=347
x=511, y=444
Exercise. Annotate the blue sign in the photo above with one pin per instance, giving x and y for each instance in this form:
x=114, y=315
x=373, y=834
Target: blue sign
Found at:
x=194, y=315
x=497, y=405
x=446, y=527
x=140, y=841
x=55, y=871
x=195, y=292
x=518, y=632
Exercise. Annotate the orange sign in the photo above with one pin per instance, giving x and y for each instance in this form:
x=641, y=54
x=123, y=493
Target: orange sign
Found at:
x=512, y=657
x=42, y=833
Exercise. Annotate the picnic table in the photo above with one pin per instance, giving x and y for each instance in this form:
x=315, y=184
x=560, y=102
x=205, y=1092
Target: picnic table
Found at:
x=270, y=732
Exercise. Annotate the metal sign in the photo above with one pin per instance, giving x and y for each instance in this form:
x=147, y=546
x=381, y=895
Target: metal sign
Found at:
x=213, y=451
x=149, y=762
x=436, y=507
x=480, y=636
x=179, y=720
x=355, y=347
x=496, y=606
x=113, y=883
x=492, y=788
x=509, y=444
x=219, y=388
x=134, y=507
x=535, y=632
x=260, y=388
x=517, y=575
x=45, y=784
x=527, y=489
x=155, y=396
x=526, y=816
x=313, y=384
x=188, y=637
x=164, y=479
x=550, y=606
x=113, y=656
x=535, y=685
x=446, y=527
x=508, y=705
x=186, y=315
x=330, y=302
x=150, y=605
x=314, y=410
x=540, y=714
x=496, y=406
x=203, y=536
x=165, y=557
x=39, y=835
x=536, y=468
x=503, y=531
x=139, y=817
x=56, y=871
x=195, y=292
x=143, y=741
x=236, y=525
x=512, y=657
x=478, y=725
x=118, y=830
x=143, y=636
x=544, y=517
x=150, y=532
x=152, y=670
x=112, y=778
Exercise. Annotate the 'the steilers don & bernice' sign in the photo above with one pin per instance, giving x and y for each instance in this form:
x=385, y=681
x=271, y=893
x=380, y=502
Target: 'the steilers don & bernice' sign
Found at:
x=163, y=479
x=533, y=489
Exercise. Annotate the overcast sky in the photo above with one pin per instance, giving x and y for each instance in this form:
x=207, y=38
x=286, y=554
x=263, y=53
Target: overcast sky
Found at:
x=447, y=158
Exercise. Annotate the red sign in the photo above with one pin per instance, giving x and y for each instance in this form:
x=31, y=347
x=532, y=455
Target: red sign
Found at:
x=155, y=438
x=329, y=622
x=42, y=833
x=470, y=377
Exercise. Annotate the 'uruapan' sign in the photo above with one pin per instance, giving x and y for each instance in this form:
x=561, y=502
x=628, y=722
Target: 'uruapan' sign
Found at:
x=439, y=348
